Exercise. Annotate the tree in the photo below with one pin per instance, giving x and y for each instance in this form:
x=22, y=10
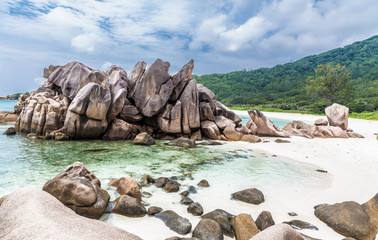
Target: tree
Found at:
x=332, y=83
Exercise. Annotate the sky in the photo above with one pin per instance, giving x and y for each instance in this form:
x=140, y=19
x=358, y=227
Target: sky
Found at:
x=220, y=35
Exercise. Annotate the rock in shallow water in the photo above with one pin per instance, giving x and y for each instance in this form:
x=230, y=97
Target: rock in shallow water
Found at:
x=10, y=131
x=251, y=195
x=144, y=139
x=175, y=222
x=30, y=213
x=129, y=206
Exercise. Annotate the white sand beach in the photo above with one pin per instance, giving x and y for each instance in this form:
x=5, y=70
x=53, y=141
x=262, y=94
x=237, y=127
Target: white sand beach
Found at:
x=352, y=166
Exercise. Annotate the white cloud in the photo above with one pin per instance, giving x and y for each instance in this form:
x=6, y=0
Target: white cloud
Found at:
x=85, y=42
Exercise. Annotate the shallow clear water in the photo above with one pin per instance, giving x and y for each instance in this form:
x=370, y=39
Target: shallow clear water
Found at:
x=7, y=105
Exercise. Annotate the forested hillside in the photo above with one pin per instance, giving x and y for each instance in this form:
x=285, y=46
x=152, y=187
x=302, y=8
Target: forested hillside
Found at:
x=283, y=86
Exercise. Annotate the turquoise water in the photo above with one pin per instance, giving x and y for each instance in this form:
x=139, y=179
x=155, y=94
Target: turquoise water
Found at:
x=278, y=121
x=27, y=162
x=7, y=105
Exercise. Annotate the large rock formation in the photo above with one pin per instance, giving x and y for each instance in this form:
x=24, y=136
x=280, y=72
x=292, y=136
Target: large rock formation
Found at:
x=29, y=213
x=79, y=102
x=337, y=115
x=79, y=189
x=261, y=125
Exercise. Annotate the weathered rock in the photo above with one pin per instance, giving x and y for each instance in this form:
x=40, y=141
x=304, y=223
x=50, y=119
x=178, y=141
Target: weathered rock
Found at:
x=231, y=134
x=251, y=195
x=203, y=183
x=251, y=138
x=10, y=131
x=223, y=218
x=321, y=122
x=222, y=110
x=87, y=114
x=223, y=122
x=278, y=232
x=208, y=229
x=244, y=227
x=172, y=186
x=196, y=136
x=206, y=113
x=129, y=206
x=243, y=129
x=183, y=142
x=170, y=119
x=190, y=108
x=143, y=139
x=2, y=199
x=264, y=126
x=130, y=113
x=7, y=116
x=264, y=220
x=127, y=186
x=175, y=222
x=251, y=126
x=299, y=128
x=210, y=143
x=146, y=180
x=371, y=208
x=30, y=213
x=161, y=181
x=135, y=75
x=195, y=209
x=348, y=219
x=185, y=193
x=206, y=95
x=181, y=79
x=299, y=224
x=153, y=89
x=332, y=132
x=182, y=238
x=354, y=135
x=210, y=130
x=337, y=115
x=186, y=201
x=154, y=210
x=79, y=189
x=32, y=136
x=118, y=130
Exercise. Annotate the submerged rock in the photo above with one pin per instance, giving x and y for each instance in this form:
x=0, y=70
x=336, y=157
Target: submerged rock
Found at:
x=299, y=224
x=175, y=222
x=79, y=189
x=144, y=139
x=10, y=131
x=183, y=142
x=30, y=213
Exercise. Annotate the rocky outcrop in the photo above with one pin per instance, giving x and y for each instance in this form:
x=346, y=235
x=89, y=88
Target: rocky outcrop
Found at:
x=79, y=189
x=262, y=126
x=302, y=129
x=7, y=116
x=79, y=102
x=349, y=219
x=337, y=115
x=30, y=213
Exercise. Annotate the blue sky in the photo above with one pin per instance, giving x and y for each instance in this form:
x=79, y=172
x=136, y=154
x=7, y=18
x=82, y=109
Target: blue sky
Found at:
x=220, y=35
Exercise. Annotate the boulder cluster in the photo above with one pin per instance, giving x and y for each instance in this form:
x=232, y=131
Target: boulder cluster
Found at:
x=78, y=102
x=335, y=126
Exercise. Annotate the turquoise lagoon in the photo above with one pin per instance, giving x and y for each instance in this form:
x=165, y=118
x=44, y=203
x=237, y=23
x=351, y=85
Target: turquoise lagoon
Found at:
x=229, y=167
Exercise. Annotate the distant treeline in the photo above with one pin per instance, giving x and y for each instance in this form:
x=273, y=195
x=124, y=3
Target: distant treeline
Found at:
x=283, y=86
x=15, y=96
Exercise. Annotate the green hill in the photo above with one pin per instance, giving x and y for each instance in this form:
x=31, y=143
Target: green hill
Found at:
x=283, y=86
